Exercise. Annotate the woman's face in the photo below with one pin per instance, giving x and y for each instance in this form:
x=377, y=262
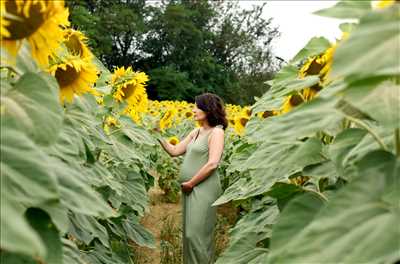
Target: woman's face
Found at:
x=198, y=114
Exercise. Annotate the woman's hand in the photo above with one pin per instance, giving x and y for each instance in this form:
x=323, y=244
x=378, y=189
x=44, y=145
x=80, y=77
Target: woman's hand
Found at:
x=187, y=187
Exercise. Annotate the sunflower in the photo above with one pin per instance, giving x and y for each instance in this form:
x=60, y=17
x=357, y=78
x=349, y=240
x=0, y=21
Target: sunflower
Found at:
x=290, y=102
x=127, y=84
x=166, y=120
x=240, y=124
x=74, y=76
x=310, y=92
x=135, y=110
x=3, y=22
x=266, y=114
x=188, y=114
x=75, y=41
x=40, y=22
x=173, y=140
x=231, y=121
x=109, y=122
x=383, y=3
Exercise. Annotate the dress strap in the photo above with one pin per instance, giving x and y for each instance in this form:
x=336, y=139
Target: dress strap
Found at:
x=198, y=131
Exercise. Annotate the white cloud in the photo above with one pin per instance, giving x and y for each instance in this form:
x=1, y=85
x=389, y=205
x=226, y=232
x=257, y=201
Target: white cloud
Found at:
x=297, y=24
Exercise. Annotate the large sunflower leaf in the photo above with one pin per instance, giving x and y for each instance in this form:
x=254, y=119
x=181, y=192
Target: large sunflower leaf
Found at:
x=49, y=234
x=348, y=228
x=315, y=46
x=382, y=103
x=136, y=133
x=86, y=228
x=16, y=233
x=367, y=144
x=77, y=194
x=244, y=236
x=25, y=174
x=136, y=232
x=271, y=163
x=303, y=121
x=267, y=103
x=71, y=253
x=361, y=56
x=296, y=85
x=133, y=191
x=341, y=146
x=296, y=215
x=37, y=95
x=346, y=9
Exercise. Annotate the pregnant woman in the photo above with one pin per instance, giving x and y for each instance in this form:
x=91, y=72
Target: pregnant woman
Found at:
x=199, y=179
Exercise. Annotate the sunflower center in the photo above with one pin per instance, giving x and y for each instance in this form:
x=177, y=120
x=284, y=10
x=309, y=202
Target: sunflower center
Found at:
x=243, y=121
x=74, y=45
x=295, y=100
x=128, y=90
x=314, y=68
x=24, y=26
x=67, y=76
x=267, y=114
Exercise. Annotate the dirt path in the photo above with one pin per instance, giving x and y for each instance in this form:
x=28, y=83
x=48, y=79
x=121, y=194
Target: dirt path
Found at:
x=160, y=211
x=154, y=221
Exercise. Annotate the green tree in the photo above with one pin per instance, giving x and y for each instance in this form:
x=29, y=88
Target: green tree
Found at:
x=187, y=47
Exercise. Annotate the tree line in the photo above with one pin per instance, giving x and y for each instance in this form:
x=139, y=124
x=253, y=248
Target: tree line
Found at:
x=186, y=47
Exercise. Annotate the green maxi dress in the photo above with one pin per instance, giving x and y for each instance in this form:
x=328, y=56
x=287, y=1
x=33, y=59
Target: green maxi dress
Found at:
x=199, y=217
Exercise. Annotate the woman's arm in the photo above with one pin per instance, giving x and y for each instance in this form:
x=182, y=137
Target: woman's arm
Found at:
x=216, y=147
x=180, y=148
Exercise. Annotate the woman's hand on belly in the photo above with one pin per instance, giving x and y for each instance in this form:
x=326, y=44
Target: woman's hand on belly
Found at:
x=187, y=187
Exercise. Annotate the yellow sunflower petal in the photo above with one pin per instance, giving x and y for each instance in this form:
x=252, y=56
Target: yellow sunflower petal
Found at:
x=40, y=22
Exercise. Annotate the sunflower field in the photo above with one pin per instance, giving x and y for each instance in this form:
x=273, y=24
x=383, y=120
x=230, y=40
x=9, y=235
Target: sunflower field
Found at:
x=313, y=165
x=318, y=179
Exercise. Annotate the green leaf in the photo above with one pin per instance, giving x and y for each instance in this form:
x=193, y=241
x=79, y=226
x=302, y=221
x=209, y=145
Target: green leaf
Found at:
x=136, y=133
x=16, y=233
x=133, y=191
x=346, y=9
x=244, y=236
x=347, y=27
x=136, y=232
x=341, y=146
x=271, y=163
x=296, y=85
x=303, y=121
x=86, y=228
x=382, y=103
x=71, y=253
x=296, y=216
x=25, y=174
x=76, y=194
x=368, y=144
x=348, y=228
x=49, y=234
x=315, y=46
x=362, y=56
x=325, y=169
x=267, y=103
x=37, y=95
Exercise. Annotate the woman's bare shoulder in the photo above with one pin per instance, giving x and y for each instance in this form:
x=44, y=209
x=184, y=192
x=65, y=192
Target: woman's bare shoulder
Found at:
x=219, y=128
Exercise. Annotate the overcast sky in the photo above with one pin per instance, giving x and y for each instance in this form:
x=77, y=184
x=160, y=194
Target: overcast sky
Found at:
x=297, y=24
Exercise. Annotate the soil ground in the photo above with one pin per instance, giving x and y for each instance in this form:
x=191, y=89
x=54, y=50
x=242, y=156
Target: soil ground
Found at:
x=160, y=211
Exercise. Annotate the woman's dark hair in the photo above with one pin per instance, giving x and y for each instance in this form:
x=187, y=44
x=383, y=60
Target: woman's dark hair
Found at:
x=213, y=106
